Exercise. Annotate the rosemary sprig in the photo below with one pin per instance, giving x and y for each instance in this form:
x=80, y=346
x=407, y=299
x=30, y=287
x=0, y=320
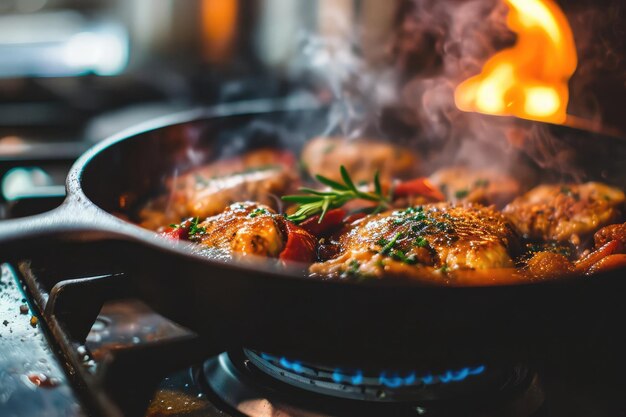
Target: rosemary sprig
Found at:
x=319, y=202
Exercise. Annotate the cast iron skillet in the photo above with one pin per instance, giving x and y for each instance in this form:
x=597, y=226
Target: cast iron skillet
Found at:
x=279, y=311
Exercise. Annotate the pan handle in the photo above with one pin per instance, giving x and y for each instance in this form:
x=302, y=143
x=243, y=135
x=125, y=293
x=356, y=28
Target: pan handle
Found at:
x=71, y=221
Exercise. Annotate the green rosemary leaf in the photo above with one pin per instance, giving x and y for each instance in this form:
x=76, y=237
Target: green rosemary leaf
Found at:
x=316, y=192
x=316, y=202
x=377, y=187
x=325, y=206
x=332, y=184
x=300, y=198
x=347, y=180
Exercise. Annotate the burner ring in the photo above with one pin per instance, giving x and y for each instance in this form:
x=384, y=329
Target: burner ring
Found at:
x=238, y=383
x=385, y=386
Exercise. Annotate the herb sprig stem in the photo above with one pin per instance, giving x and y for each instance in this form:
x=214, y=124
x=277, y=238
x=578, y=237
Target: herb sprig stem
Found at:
x=316, y=202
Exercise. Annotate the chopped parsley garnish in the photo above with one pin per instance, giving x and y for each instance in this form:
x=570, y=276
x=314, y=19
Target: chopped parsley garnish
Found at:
x=422, y=222
x=354, y=266
x=461, y=193
x=415, y=214
x=401, y=256
x=566, y=191
x=191, y=226
x=258, y=211
x=387, y=248
x=570, y=193
x=533, y=248
x=353, y=270
x=194, y=229
x=444, y=227
x=481, y=183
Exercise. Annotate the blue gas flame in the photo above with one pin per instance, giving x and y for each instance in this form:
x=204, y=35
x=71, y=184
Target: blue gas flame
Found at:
x=388, y=379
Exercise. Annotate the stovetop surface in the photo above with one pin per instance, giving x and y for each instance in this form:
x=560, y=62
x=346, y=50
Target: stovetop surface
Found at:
x=584, y=381
x=26, y=359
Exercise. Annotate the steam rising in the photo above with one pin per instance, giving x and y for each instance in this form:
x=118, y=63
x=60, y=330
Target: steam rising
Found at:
x=357, y=88
x=437, y=44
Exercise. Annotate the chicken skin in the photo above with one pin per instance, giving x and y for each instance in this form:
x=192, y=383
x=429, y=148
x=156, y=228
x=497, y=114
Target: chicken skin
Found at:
x=565, y=212
x=484, y=186
x=361, y=157
x=261, y=175
x=247, y=229
x=416, y=241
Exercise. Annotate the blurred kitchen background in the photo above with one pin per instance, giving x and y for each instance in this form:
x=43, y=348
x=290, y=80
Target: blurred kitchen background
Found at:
x=73, y=72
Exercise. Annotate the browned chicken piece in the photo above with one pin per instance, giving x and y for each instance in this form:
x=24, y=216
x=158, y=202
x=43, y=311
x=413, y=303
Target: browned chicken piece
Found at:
x=565, y=212
x=484, y=186
x=262, y=175
x=424, y=242
x=245, y=228
x=361, y=157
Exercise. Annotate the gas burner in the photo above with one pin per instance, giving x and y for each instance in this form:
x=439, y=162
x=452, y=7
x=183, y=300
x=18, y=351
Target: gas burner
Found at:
x=377, y=386
x=259, y=384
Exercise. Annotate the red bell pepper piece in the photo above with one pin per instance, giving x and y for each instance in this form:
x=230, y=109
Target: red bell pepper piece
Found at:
x=176, y=233
x=610, y=263
x=614, y=246
x=179, y=231
x=286, y=158
x=331, y=221
x=418, y=186
x=300, y=245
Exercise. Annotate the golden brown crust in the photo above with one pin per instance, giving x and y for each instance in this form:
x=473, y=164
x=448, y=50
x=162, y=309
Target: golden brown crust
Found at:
x=417, y=241
x=564, y=212
x=261, y=175
x=483, y=186
x=361, y=157
x=246, y=228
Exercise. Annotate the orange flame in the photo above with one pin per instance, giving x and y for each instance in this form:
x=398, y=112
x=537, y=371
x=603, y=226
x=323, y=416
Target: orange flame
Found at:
x=219, y=22
x=530, y=79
